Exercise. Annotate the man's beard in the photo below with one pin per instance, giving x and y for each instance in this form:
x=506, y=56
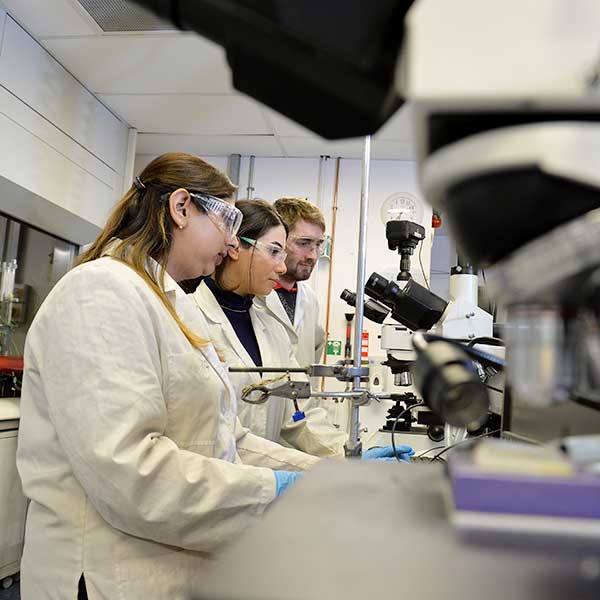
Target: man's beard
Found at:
x=300, y=271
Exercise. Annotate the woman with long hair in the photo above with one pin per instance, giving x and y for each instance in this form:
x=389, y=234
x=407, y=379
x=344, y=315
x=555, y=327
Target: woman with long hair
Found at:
x=246, y=335
x=130, y=450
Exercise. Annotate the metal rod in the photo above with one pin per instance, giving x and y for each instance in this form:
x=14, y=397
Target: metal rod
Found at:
x=233, y=170
x=325, y=395
x=268, y=370
x=348, y=394
x=334, y=210
x=354, y=435
x=316, y=274
x=250, y=190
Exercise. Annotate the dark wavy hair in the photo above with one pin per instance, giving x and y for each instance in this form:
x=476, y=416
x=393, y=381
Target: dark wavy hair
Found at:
x=258, y=217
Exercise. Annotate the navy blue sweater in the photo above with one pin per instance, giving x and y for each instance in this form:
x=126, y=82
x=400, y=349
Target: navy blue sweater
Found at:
x=237, y=310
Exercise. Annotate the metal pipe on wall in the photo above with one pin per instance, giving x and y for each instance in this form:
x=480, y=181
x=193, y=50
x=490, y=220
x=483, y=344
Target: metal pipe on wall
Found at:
x=250, y=189
x=315, y=278
x=233, y=170
x=353, y=444
x=320, y=176
x=334, y=210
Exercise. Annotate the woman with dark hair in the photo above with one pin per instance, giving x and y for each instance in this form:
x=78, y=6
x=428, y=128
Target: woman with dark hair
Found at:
x=244, y=334
x=130, y=450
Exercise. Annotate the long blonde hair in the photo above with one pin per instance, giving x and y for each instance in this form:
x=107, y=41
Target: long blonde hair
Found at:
x=140, y=225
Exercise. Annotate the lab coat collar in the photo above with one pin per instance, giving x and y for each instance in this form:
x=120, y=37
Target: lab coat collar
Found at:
x=170, y=285
x=301, y=300
x=260, y=317
x=273, y=304
x=213, y=313
x=208, y=304
x=264, y=336
x=152, y=266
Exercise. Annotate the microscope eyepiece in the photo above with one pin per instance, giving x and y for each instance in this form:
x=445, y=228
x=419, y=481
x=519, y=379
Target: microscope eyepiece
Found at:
x=373, y=310
x=412, y=305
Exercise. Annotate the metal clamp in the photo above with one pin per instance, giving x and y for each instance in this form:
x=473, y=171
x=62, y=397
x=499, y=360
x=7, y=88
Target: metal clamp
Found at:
x=294, y=390
x=349, y=373
x=340, y=371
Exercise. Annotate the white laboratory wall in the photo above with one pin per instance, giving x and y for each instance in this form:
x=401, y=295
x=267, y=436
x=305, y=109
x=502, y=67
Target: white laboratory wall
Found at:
x=276, y=177
x=64, y=154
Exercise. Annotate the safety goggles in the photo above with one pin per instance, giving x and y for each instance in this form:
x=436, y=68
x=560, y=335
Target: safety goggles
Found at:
x=306, y=244
x=275, y=253
x=225, y=216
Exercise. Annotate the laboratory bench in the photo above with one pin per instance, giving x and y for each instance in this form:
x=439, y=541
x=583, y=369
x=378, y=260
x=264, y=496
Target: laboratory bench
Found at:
x=351, y=530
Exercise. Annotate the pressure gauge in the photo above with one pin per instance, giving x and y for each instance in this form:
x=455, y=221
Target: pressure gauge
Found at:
x=402, y=206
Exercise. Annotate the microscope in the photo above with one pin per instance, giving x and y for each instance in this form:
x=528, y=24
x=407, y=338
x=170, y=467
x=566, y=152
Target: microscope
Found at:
x=508, y=147
x=509, y=152
x=412, y=307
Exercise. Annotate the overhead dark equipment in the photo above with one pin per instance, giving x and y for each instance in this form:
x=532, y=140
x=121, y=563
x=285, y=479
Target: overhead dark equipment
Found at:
x=327, y=64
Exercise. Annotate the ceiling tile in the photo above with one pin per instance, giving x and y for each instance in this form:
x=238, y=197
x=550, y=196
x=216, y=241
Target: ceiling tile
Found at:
x=352, y=148
x=286, y=127
x=398, y=127
x=144, y=64
x=55, y=17
x=218, y=114
x=315, y=147
x=259, y=145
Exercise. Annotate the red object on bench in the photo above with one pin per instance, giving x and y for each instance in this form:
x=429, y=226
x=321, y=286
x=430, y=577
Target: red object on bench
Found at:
x=11, y=363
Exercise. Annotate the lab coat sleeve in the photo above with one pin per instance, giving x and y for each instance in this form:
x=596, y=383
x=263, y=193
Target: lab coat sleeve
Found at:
x=315, y=434
x=319, y=339
x=106, y=401
x=258, y=451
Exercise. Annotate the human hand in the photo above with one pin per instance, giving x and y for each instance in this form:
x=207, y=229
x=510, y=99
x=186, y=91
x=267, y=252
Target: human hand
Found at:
x=285, y=479
x=387, y=453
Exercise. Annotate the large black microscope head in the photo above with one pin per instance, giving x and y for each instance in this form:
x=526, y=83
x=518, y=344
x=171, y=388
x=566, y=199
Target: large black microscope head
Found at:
x=404, y=236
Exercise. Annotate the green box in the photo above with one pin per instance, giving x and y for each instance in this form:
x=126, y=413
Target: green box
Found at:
x=334, y=348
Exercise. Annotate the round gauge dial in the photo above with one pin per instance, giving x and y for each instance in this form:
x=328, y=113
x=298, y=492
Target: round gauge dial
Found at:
x=402, y=206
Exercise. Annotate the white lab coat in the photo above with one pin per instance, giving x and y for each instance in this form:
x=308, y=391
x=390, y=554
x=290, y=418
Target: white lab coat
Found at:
x=129, y=445
x=306, y=334
x=314, y=434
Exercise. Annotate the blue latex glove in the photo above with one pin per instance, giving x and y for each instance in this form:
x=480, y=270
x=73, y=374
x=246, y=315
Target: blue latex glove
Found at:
x=387, y=453
x=285, y=479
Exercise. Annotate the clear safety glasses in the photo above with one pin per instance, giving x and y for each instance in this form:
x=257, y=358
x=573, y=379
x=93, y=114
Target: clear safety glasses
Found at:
x=275, y=253
x=306, y=244
x=225, y=216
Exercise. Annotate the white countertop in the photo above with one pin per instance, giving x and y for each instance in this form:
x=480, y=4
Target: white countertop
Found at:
x=9, y=409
